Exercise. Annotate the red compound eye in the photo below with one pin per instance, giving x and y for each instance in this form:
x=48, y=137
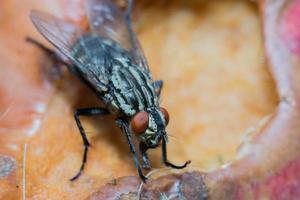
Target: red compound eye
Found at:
x=139, y=122
x=166, y=114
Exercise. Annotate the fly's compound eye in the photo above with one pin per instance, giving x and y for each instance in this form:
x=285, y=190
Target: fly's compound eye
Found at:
x=166, y=114
x=139, y=122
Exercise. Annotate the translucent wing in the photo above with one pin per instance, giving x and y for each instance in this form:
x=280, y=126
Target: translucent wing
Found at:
x=60, y=33
x=109, y=20
x=63, y=35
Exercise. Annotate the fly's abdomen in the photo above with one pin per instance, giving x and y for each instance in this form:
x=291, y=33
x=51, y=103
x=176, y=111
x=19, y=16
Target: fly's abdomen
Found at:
x=96, y=49
x=96, y=57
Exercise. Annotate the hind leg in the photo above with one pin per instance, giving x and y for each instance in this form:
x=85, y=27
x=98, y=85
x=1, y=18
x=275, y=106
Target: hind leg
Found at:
x=55, y=57
x=52, y=54
x=85, y=112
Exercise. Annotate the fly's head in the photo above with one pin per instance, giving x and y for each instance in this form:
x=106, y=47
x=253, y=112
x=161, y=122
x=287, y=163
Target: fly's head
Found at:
x=150, y=126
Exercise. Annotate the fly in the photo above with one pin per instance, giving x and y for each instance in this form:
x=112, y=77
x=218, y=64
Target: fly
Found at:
x=109, y=60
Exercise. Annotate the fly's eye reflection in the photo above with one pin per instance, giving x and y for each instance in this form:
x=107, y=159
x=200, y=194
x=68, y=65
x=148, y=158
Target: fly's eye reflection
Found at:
x=166, y=114
x=139, y=122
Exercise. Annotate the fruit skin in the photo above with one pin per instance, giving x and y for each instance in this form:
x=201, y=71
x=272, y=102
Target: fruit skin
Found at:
x=289, y=26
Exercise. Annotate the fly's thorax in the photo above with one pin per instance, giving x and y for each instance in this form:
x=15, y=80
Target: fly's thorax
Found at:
x=150, y=126
x=132, y=88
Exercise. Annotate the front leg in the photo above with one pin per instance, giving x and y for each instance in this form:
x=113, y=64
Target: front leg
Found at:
x=125, y=129
x=158, y=86
x=85, y=112
x=143, y=150
x=165, y=159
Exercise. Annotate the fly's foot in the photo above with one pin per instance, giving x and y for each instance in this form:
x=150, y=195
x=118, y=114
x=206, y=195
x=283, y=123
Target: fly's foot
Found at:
x=143, y=178
x=178, y=166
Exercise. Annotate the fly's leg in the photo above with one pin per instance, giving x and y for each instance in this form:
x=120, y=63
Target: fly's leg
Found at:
x=40, y=45
x=125, y=128
x=85, y=112
x=52, y=54
x=158, y=86
x=165, y=159
x=146, y=163
x=58, y=60
x=129, y=8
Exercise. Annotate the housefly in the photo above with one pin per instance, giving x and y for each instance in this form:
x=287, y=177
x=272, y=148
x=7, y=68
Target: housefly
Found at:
x=109, y=60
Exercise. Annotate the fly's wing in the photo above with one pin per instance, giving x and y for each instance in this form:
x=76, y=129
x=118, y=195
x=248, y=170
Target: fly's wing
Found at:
x=63, y=36
x=109, y=20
